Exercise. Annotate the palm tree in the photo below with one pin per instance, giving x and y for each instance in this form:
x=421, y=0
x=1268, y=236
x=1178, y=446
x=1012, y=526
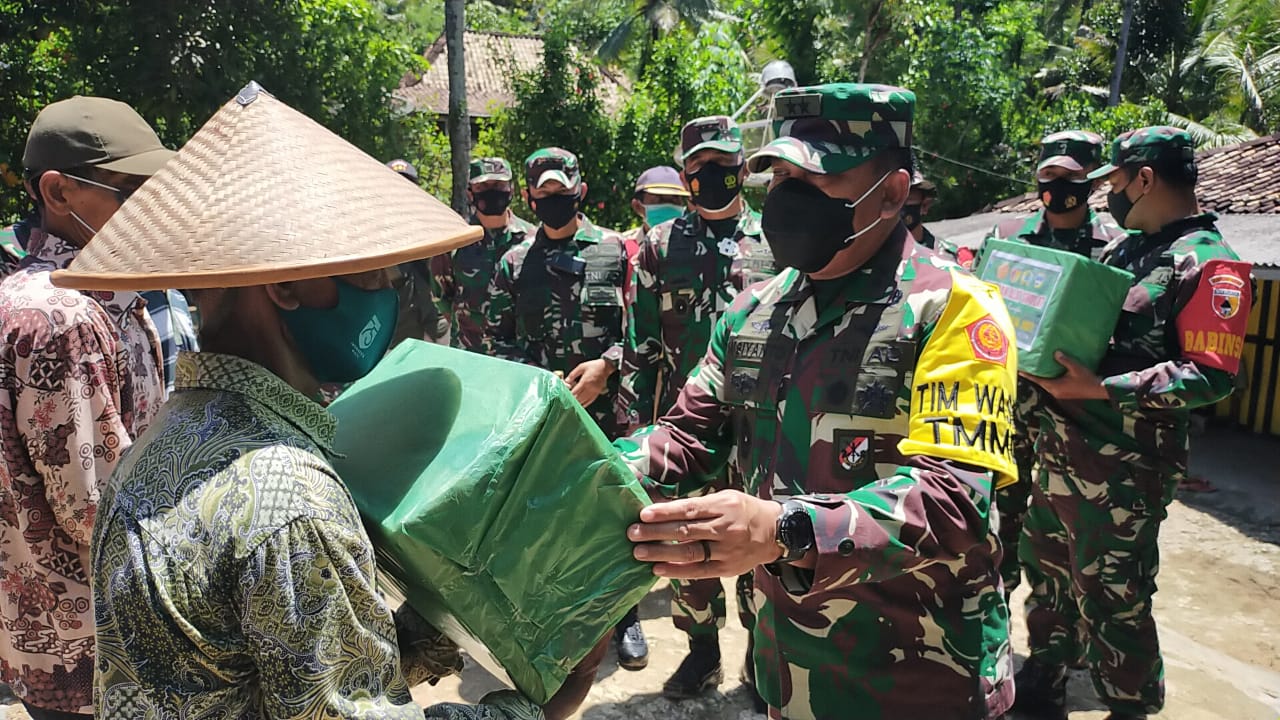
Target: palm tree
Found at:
x=650, y=20
x=1239, y=43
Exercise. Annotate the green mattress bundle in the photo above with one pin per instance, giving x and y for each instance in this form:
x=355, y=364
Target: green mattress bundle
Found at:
x=498, y=508
x=1058, y=300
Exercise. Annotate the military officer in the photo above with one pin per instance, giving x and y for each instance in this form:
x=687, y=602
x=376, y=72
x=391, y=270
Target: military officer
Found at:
x=686, y=273
x=919, y=203
x=460, y=279
x=865, y=391
x=557, y=302
x=1112, y=445
x=1065, y=222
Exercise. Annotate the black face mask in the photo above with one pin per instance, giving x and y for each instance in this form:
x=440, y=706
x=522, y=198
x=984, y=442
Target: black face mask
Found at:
x=555, y=211
x=492, y=202
x=714, y=186
x=804, y=226
x=912, y=215
x=1119, y=205
x=1062, y=195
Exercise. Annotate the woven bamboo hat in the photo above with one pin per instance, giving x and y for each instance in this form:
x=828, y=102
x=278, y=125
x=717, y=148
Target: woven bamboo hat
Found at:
x=263, y=194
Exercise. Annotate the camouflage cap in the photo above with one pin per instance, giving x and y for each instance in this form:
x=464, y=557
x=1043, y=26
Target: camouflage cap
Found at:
x=1148, y=144
x=1074, y=150
x=405, y=168
x=717, y=132
x=837, y=127
x=549, y=164
x=487, y=169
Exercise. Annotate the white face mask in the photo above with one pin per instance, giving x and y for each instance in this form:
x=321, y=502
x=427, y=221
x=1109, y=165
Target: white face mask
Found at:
x=854, y=205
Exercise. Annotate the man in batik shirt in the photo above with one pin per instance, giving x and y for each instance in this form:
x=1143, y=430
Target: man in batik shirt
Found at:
x=82, y=378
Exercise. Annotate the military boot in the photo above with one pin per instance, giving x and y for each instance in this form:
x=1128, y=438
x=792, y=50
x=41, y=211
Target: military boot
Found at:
x=633, y=649
x=1040, y=691
x=699, y=672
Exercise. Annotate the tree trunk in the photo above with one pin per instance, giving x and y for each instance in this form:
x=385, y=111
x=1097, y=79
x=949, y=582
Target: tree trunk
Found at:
x=868, y=41
x=1122, y=49
x=458, y=126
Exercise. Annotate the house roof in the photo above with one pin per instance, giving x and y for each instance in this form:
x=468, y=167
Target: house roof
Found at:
x=493, y=61
x=1241, y=183
x=1242, y=178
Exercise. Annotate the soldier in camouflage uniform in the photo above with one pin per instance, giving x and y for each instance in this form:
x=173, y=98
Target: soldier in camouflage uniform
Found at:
x=1064, y=223
x=13, y=240
x=868, y=386
x=420, y=315
x=557, y=301
x=1112, y=446
x=460, y=279
x=919, y=201
x=686, y=273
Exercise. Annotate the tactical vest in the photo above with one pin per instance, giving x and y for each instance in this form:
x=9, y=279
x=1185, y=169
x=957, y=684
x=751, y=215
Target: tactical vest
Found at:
x=547, y=274
x=753, y=263
x=861, y=384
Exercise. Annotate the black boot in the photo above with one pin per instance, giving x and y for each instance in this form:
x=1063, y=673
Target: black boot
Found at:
x=633, y=651
x=699, y=672
x=1126, y=716
x=1040, y=691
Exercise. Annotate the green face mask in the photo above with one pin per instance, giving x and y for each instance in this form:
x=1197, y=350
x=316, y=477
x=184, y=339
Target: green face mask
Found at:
x=344, y=342
x=655, y=215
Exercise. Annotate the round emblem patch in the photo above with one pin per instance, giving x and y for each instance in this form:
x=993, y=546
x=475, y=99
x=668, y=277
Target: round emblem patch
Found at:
x=988, y=341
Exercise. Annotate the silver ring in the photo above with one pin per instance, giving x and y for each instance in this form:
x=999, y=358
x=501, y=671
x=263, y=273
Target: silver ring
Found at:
x=706, y=552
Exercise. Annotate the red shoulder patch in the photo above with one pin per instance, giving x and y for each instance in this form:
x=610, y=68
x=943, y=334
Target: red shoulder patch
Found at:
x=1212, y=326
x=988, y=341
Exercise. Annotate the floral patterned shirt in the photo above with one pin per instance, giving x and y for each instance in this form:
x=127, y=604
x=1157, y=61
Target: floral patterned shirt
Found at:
x=79, y=378
x=232, y=575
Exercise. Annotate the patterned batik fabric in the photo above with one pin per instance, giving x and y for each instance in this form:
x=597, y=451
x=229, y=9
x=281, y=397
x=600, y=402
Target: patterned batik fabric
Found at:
x=232, y=575
x=79, y=379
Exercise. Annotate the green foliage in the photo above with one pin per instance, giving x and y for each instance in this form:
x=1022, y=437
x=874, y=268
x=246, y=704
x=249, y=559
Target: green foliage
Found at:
x=177, y=63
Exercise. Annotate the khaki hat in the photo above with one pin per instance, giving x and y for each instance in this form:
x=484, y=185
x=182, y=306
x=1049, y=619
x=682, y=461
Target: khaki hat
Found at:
x=93, y=131
x=263, y=194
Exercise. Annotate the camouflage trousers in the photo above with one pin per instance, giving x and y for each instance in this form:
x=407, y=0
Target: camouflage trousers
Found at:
x=1011, y=500
x=1089, y=548
x=698, y=606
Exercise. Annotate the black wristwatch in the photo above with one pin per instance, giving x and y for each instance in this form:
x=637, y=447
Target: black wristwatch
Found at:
x=795, y=531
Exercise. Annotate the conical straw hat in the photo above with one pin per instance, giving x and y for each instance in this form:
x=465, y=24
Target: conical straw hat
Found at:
x=264, y=194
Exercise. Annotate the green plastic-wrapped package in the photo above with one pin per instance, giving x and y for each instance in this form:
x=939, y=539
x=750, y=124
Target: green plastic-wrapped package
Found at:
x=498, y=509
x=1058, y=301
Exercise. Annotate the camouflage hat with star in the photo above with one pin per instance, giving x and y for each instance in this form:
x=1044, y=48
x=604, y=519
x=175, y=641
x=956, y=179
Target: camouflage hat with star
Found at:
x=1074, y=150
x=717, y=132
x=487, y=169
x=922, y=183
x=837, y=127
x=552, y=163
x=1148, y=144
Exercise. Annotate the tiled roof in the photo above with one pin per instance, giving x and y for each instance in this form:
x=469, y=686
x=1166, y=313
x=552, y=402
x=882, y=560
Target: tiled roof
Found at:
x=1243, y=178
x=493, y=60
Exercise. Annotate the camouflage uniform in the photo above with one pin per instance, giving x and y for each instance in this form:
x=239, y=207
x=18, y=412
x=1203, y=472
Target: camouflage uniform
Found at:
x=13, y=240
x=1107, y=469
x=558, y=303
x=460, y=279
x=835, y=404
x=1082, y=150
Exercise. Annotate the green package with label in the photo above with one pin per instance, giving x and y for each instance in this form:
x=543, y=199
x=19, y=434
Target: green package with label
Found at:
x=497, y=507
x=1058, y=300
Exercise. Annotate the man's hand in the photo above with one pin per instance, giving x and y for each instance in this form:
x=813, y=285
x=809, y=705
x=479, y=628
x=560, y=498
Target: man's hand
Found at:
x=723, y=534
x=1080, y=383
x=589, y=380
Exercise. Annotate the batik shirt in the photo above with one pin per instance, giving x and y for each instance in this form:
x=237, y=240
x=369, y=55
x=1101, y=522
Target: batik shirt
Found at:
x=683, y=279
x=1154, y=371
x=555, y=304
x=460, y=280
x=232, y=575
x=79, y=379
x=869, y=409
